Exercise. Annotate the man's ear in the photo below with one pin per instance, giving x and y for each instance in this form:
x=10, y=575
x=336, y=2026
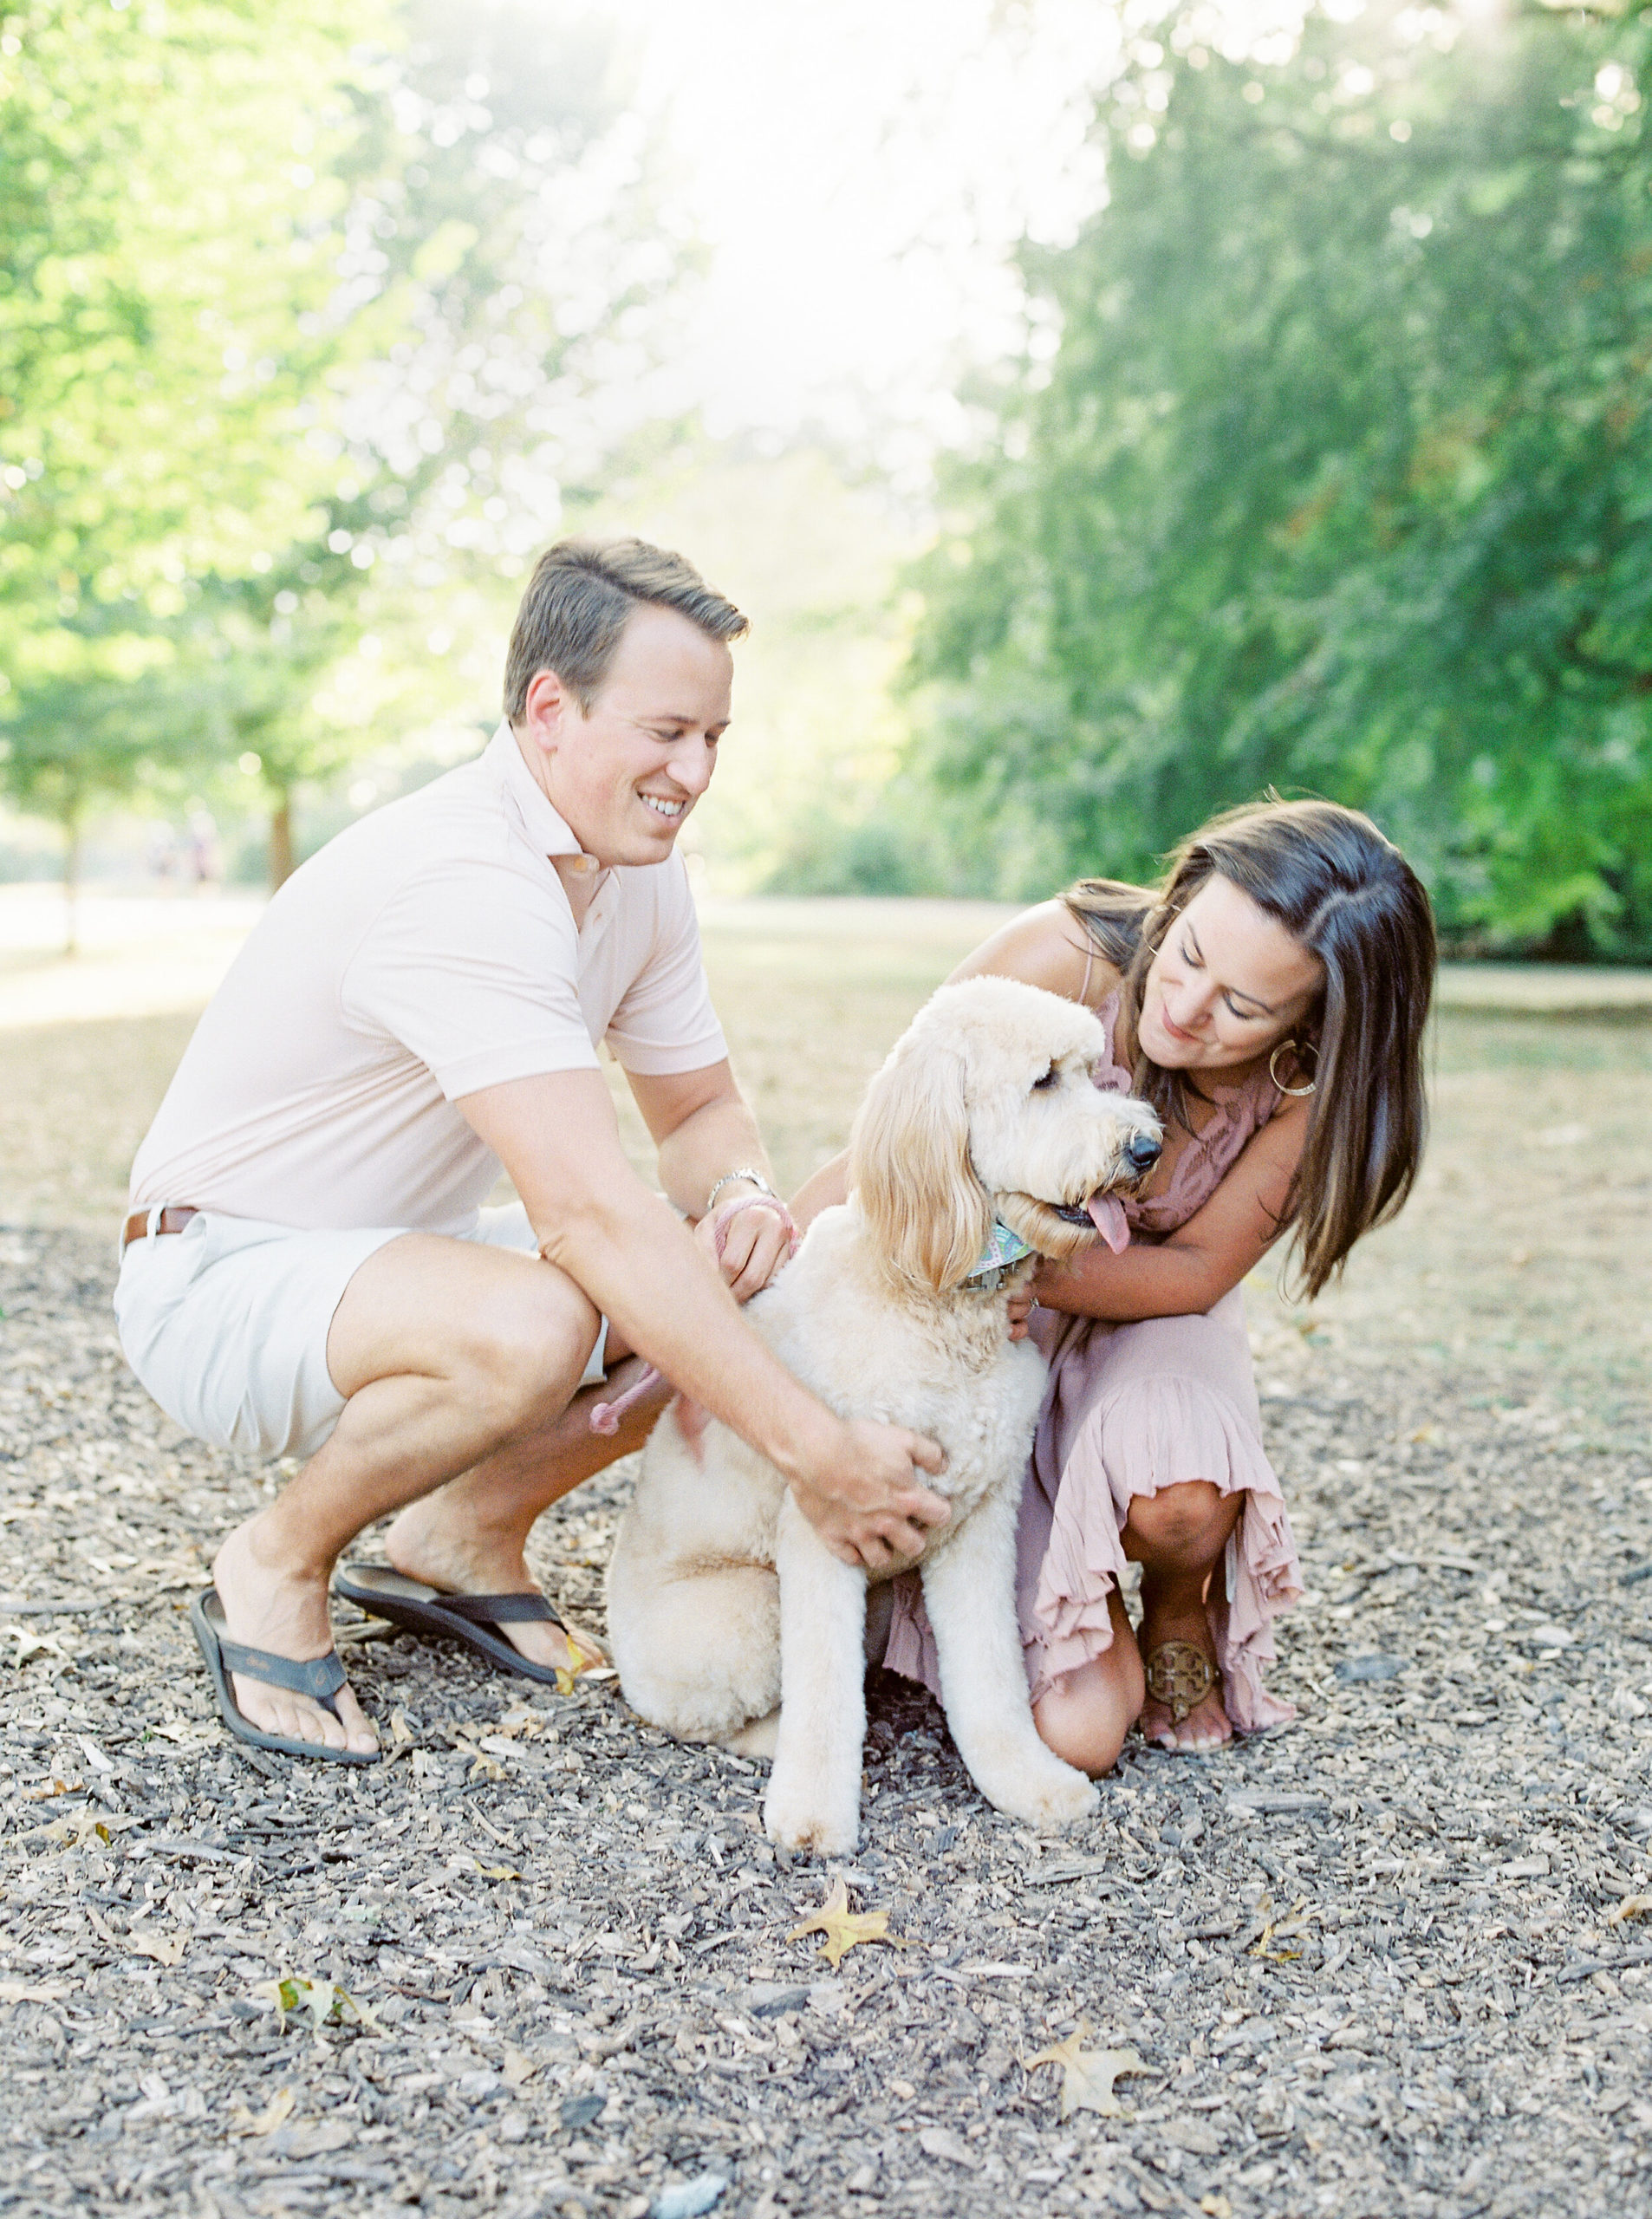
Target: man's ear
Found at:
x=546, y=710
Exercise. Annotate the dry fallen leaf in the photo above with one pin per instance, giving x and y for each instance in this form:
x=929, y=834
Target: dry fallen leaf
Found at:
x=1087, y=2075
x=1277, y=1930
x=186, y=1731
x=941, y=2142
x=1631, y=1907
x=518, y=2067
x=24, y=1991
x=322, y=2000
x=498, y=1872
x=401, y=1733
x=242, y=2121
x=844, y=1929
x=46, y=1789
x=30, y=1644
x=83, y=1825
x=149, y=1941
x=1217, y=2206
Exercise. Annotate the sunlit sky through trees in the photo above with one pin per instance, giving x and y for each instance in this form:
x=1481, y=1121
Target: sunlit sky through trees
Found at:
x=860, y=172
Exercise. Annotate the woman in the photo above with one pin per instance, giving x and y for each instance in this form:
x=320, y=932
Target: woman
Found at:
x=1269, y=999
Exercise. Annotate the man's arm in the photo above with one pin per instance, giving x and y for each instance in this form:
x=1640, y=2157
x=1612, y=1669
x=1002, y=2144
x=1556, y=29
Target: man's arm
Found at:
x=595, y=1219
x=704, y=1129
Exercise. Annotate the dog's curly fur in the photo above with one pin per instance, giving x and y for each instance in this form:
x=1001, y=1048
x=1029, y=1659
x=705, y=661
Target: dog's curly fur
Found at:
x=722, y=1600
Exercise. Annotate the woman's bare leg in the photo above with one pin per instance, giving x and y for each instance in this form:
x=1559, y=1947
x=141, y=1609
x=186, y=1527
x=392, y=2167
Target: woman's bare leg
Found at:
x=1086, y=1715
x=1178, y=1537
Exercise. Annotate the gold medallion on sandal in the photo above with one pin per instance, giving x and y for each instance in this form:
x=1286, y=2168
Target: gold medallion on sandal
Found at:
x=1180, y=1676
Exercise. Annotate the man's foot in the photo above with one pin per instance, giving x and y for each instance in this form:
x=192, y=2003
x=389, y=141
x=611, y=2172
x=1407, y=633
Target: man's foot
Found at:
x=266, y=1605
x=1207, y=1725
x=422, y=1545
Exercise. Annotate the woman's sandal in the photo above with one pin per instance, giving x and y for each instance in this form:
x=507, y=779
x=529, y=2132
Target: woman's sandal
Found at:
x=1180, y=1676
x=320, y=1677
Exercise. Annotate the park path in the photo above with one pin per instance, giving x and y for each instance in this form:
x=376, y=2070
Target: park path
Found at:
x=1386, y=1962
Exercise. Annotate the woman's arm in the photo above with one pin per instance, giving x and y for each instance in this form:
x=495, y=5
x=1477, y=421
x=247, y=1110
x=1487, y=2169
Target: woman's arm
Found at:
x=1048, y=948
x=822, y=1190
x=1202, y=1259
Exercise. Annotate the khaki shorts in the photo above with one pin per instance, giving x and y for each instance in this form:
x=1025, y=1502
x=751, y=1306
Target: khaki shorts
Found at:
x=225, y=1322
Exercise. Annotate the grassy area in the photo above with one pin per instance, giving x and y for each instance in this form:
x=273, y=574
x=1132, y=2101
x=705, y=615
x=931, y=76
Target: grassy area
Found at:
x=1526, y=1253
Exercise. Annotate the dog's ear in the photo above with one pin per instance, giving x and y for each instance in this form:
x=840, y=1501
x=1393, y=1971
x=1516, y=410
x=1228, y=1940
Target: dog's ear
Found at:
x=909, y=1163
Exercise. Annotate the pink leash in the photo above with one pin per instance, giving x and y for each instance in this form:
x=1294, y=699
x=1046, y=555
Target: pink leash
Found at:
x=605, y=1416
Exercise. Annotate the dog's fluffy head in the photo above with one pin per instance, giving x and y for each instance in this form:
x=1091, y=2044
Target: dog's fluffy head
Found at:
x=986, y=1108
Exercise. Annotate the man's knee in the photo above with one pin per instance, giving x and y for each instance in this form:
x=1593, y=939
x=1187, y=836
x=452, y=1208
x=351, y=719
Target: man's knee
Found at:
x=524, y=1349
x=1190, y=1519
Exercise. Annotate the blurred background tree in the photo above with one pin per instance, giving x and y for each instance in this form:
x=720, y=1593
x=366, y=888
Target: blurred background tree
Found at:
x=1330, y=467
x=160, y=257
x=299, y=321
x=1308, y=448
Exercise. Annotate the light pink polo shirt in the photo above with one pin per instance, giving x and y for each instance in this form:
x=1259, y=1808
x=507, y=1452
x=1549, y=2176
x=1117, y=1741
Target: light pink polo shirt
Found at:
x=427, y=952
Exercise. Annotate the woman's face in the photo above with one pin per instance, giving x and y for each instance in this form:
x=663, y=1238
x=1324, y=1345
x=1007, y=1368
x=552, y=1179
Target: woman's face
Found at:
x=1228, y=984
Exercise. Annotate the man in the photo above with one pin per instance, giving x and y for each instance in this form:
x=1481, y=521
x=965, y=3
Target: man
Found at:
x=305, y=1269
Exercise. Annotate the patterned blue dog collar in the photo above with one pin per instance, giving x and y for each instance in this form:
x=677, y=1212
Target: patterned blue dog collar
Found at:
x=1003, y=1251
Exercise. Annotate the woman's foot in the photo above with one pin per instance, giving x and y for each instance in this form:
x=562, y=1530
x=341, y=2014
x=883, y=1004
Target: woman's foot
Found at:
x=1179, y=1657
x=269, y=1605
x=424, y=1545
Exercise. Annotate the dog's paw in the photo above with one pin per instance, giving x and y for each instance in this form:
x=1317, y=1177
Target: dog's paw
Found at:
x=1047, y=1797
x=798, y=1819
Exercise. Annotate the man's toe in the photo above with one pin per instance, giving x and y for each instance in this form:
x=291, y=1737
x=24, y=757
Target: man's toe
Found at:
x=356, y=1727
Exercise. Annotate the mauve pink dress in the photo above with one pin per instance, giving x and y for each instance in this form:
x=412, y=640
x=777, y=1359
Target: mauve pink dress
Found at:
x=1128, y=1409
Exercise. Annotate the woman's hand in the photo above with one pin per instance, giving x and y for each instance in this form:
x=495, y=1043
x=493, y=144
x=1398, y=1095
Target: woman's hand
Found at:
x=755, y=1240
x=1021, y=1307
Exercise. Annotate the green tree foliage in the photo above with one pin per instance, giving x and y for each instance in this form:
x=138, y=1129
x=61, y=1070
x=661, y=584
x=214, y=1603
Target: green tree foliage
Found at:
x=499, y=235
x=1340, y=478
x=165, y=275
x=305, y=314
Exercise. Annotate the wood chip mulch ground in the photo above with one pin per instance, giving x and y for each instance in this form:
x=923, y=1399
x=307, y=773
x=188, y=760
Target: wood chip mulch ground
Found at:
x=1396, y=1960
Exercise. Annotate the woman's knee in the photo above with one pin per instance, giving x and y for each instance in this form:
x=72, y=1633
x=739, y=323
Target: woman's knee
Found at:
x=1085, y=1717
x=1190, y=1521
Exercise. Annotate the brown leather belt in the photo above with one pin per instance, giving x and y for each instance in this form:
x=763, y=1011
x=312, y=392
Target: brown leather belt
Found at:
x=171, y=1220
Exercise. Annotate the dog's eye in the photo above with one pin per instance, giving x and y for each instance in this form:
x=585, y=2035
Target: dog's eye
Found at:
x=1051, y=1077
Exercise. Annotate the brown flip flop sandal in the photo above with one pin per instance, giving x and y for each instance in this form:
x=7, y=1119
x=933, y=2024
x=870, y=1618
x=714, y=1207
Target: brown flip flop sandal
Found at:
x=320, y=1677
x=469, y=1618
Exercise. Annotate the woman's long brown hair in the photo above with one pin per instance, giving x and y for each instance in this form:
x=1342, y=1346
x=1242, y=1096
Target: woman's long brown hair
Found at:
x=1349, y=896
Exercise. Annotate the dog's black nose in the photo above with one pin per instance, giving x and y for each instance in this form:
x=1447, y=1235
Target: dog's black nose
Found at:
x=1144, y=1150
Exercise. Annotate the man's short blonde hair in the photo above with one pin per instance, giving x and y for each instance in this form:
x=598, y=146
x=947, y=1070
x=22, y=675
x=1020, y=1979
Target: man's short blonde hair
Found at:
x=578, y=598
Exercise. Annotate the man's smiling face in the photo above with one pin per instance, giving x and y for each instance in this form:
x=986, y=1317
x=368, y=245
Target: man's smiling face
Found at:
x=625, y=774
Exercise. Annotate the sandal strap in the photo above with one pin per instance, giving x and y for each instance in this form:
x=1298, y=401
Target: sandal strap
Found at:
x=1180, y=1676
x=321, y=1676
x=500, y=1610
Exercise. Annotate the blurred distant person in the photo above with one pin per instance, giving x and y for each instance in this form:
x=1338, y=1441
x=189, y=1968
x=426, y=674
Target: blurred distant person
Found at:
x=307, y=1269
x=205, y=867
x=163, y=854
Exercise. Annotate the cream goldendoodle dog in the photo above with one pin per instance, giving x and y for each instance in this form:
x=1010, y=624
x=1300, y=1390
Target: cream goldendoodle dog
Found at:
x=984, y=1123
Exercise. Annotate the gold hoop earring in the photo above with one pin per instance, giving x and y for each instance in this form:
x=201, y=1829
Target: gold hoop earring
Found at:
x=1296, y=1092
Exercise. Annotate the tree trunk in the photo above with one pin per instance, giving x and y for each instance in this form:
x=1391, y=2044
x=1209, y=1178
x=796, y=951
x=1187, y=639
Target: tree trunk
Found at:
x=72, y=882
x=281, y=838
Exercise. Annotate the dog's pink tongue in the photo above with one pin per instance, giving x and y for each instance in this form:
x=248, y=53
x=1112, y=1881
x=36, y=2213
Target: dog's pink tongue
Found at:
x=1106, y=1215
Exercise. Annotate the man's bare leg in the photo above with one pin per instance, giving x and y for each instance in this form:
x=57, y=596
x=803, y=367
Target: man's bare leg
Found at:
x=470, y=1536
x=449, y=1351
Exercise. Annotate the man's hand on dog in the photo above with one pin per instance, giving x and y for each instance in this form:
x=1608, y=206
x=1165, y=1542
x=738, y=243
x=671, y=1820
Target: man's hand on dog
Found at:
x=863, y=1499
